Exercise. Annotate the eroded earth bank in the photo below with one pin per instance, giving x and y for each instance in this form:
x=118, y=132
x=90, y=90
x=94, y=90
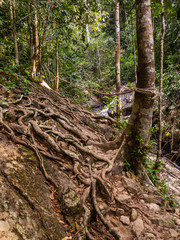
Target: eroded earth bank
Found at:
x=56, y=182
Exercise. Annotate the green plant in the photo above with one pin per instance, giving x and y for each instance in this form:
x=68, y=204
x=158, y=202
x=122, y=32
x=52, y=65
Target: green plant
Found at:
x=10, y=79
x=121, y=124
x=153, y=173
x=127, y=165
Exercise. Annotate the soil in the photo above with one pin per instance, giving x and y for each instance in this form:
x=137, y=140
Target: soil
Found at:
x=56, y=183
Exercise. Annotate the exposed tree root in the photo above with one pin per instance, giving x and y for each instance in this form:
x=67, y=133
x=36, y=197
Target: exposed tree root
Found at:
x=56, y=129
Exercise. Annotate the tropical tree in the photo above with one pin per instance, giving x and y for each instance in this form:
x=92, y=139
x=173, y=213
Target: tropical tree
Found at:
x=137, y=133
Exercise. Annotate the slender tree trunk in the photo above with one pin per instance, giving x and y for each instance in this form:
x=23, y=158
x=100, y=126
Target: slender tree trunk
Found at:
x=134, y=49
x=87, y=26
x=57, y=67
x=30, y=29
x=13, y=22
x=137, y=132
x=159, y=152
x=98, y=61
x=118, y=80
x=36, y=58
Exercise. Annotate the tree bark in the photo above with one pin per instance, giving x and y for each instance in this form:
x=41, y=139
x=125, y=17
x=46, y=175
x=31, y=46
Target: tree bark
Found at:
x=98, y=61
x=87, y=25
x=137, y=132
x=36, y=58
x=118, y=80
x=13, y=22
x=159, y=152
x=134, y=49
x=57, y=67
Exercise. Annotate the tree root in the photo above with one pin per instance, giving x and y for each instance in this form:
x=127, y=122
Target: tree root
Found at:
x=114, y=232
x=55, y=129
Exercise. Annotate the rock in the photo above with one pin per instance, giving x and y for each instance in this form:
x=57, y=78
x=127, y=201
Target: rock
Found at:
x=120, y=211
x=125, y=220
x=124, y=198
x=131, y=185
x=3, y=215
x=70, y=202
x=164, y=222
x=138, y=227
x=4, y=226
x=134, y=214
x=150, y=236
x=177, y=211
x=153, y=206
x=173, y=233
x=8, y=236
x=178, y=221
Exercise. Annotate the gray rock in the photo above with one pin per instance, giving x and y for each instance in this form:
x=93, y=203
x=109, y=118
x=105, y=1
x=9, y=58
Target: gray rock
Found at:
x=167, y=222
x=150, y=236
x=138, y=227
x=125, y=220
x=134, y=214
x=131, y=185
x=8, y=236
x=124, y=198
x=178, y=221
x=173, y=233
x=4, y=226
x=153, y=206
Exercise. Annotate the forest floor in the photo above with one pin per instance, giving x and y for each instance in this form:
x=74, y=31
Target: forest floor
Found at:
x=56, y=178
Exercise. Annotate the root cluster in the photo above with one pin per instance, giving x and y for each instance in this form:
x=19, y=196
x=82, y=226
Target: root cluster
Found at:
x=65, y=133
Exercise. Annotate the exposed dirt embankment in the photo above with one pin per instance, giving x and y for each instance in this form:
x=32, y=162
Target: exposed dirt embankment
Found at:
x=56, y=183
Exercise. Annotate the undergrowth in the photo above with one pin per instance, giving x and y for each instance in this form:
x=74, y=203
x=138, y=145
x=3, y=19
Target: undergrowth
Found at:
x=154, y=175
x=11, y=80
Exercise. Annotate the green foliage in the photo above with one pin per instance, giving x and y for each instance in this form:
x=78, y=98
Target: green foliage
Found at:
x=141, y=150
x=121, y=124
x=127, y=165
x=11, y=80
x=153, y=173
x=171, y=84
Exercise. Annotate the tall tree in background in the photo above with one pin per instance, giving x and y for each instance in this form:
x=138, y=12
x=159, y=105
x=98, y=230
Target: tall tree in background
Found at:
x=57, y=66
x=118, y=79
x=13, y=23
x=87, y=25
x=134, y=48
x=137, y=132
x=161, y=82
x=36, y=58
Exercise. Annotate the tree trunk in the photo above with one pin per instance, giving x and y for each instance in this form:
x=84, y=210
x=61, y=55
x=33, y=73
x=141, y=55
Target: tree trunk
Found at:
x=118, y=80
x=57, y=67
x=137, y=132
x=134, y=49
x=87, y=25
x=98, y=61
x=13, y=22
x=159, y=152
x=36, y=59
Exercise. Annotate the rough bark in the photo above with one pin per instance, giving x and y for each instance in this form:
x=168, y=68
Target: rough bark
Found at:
x=118, y=80
x=134, y=49
x=159, y=152
x=36, y=58
x=13, y=22
x=137, y=131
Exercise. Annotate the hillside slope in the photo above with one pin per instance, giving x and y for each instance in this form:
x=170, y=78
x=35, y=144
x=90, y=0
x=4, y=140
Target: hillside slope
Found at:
x=56, y=183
